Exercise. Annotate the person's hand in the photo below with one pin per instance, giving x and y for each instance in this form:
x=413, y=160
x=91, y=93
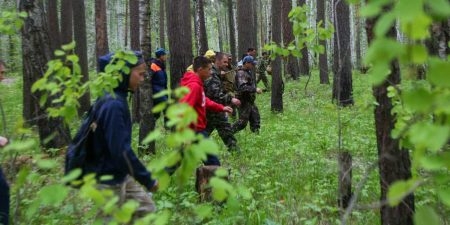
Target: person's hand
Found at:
x=258, y=90
x=155, y=187
x=235, y=102
x=228, y=109
x=3, y=141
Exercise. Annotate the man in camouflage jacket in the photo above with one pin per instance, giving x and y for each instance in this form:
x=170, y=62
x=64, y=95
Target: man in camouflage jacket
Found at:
x=214, y=90
x=246, y=92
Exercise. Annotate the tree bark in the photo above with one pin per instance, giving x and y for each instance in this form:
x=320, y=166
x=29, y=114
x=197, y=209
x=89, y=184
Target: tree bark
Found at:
x=37, y=52
x=342, y=82
x=323, y=62
x=134, y=25
x=66, y=22
x=180, y=38
x=53, y=25
x=358, y=34
x=304, y=61
x=101, y=29
x=277, y=80
x=162, y=18
x=202, y=40
x=292, y=67
x=231, y=21
x=245, y=26
x=135, y=45
x=147, y=122
x=393, y=162
x=79, y=25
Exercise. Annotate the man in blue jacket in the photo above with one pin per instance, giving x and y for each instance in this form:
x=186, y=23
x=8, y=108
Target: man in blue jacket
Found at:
x=159, y=77
x=111, y=142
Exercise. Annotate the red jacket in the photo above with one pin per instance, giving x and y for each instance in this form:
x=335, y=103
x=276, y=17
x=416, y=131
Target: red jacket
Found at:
x=197, y=99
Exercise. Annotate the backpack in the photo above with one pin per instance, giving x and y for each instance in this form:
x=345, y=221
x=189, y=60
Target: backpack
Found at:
x=79, y=150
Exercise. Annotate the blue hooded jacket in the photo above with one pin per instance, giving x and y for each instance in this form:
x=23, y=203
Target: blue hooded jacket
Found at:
x=111, y=141
x=159, y=80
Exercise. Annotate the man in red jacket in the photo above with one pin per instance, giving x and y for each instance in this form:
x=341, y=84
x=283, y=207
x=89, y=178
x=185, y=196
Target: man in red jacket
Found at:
x=197, y=99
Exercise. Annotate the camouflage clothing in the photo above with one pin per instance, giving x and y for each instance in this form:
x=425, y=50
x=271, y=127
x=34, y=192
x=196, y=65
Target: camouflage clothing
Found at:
x=248, y=111
x=214, y=90
x=228, y=81
x=262, y=67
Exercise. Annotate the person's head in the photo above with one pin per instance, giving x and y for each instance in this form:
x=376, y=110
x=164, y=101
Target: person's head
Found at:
x=221, y=61
x=2, y=70
x=202, y=67
x=252, y=52
x=137, y=71
x=264, y=55
x=210, y=55
x=161, y=54
x=248, y=62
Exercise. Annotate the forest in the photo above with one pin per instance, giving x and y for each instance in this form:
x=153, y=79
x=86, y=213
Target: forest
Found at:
x=350, y=124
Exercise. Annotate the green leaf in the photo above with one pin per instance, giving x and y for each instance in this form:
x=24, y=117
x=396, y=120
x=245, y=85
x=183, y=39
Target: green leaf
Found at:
x=425, y=215
x=59, y=53
x=74, y=174
x=204, y=211
x=430, y=136
x=444, y=195
x=398, y=190
x=438, y=73
x=432, y=162
x=53, y=194
x=154, y=135
x=221, y=172
x=417, y=29
x=69, y=46
x=419, y=54
x=46, y=164
x=420, y=99
x=439, y=7
x=384, y=24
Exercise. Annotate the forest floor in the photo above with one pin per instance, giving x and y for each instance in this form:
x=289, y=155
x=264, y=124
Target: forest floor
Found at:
x=290, y=168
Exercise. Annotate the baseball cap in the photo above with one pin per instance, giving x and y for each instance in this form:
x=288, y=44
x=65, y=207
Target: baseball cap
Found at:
x=159, y=52
x=248, y=59
x=210, y=54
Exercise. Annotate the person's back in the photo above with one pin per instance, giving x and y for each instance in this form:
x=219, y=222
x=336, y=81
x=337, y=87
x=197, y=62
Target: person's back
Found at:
x=159, y=75
x=111, y=142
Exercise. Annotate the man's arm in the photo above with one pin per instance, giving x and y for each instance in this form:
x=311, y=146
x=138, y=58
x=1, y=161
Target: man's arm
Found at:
x=214, y=90
x=243, y=84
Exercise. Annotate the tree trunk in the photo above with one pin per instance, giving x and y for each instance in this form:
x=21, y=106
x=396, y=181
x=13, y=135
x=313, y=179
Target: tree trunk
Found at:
x=79, y=25
x=135, y=45
x=101, y=29
x=292, y=67
x=345, y=180
x=231, y=18
x=146, y=123
x=245, y=26
x=134, y=24
x=162, y=18
x=304, y=61
x=437, y=43
x=53, y=25
x=358, y=34
x=254, y=6
x=66, y=22
x=323, y=62
x=36, y=53
x=342, y=82
x=200, y=32
x=277, y=80
x=180, y=38
x=393, y=162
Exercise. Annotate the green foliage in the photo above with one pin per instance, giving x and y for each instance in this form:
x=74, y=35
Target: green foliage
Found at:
x=62, y=82
x=11, y=21
x=307, y=37
x=421, y=107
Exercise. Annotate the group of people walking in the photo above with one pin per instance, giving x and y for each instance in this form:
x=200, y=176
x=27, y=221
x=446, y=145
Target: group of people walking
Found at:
x=216, y=90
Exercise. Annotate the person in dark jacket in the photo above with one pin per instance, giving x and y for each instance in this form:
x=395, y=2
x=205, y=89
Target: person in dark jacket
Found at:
x=246, y=93
x=215, y=91
x=159, y=78
x=112, y=142
x=197, y=99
